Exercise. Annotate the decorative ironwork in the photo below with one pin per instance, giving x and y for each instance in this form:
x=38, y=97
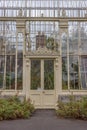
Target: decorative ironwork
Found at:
x=42, y=51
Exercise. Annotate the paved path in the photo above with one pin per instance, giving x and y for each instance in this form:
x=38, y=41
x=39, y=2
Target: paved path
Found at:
x=44, y=120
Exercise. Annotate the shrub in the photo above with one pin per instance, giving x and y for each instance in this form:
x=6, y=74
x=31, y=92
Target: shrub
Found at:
x=13, y=108
x=73, y=108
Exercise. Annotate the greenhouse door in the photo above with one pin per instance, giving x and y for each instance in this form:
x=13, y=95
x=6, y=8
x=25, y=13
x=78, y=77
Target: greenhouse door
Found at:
x=42, y=89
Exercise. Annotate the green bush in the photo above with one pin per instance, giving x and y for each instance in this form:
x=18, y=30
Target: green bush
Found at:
x=13, y=108
x=73, y=108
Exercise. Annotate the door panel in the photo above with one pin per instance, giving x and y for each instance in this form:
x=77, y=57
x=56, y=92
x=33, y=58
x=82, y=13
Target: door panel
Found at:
x=36, y=97
x=48, y=99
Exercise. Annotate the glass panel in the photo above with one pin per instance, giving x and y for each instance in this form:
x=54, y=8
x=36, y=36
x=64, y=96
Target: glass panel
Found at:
x=74, y=72
x=83, y=36
x=42, y=34
x=35, y=74
x=73, y=37
x=64, y=44
x=64, y=73
x=20, y=70
x=20, y=61
x=10, y=72
x=49, y=74
x=83, y=70
x=7, y=54
x=1, y=71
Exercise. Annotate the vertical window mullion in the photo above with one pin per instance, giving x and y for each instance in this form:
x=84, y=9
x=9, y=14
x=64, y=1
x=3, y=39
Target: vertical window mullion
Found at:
x=16, y=61
x=42, y=74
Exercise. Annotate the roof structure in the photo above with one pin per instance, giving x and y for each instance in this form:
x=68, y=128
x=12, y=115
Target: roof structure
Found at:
x=47, y=8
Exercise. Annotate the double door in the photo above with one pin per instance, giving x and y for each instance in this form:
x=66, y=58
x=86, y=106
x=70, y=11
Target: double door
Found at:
x=42, y=85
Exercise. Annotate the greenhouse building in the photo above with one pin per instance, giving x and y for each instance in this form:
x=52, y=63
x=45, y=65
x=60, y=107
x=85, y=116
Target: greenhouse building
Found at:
x=43, y=50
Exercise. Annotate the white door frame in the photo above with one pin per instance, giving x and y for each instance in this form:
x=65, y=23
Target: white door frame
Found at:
x=57, y=78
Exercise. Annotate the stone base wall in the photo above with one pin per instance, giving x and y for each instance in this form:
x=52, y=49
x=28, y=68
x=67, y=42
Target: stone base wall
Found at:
x=21, y=98
x=66, y=98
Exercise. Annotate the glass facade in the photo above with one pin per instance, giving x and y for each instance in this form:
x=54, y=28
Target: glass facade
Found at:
x=74, y=46
x=48, y=8
x=40, y=33
x=11, y=56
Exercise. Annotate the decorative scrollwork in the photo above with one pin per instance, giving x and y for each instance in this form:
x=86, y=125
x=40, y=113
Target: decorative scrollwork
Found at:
x=27, y=62
x=43, y=52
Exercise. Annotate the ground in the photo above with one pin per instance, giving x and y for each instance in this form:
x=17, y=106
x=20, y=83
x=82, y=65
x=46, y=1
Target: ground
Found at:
x=44, y=120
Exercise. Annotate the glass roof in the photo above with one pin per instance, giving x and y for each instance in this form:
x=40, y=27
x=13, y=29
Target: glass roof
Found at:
x=49, y=8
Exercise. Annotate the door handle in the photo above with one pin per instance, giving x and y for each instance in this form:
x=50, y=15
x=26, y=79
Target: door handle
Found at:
x=43, y=92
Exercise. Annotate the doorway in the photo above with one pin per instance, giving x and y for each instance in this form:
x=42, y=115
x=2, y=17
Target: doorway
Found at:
x=42, y=85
